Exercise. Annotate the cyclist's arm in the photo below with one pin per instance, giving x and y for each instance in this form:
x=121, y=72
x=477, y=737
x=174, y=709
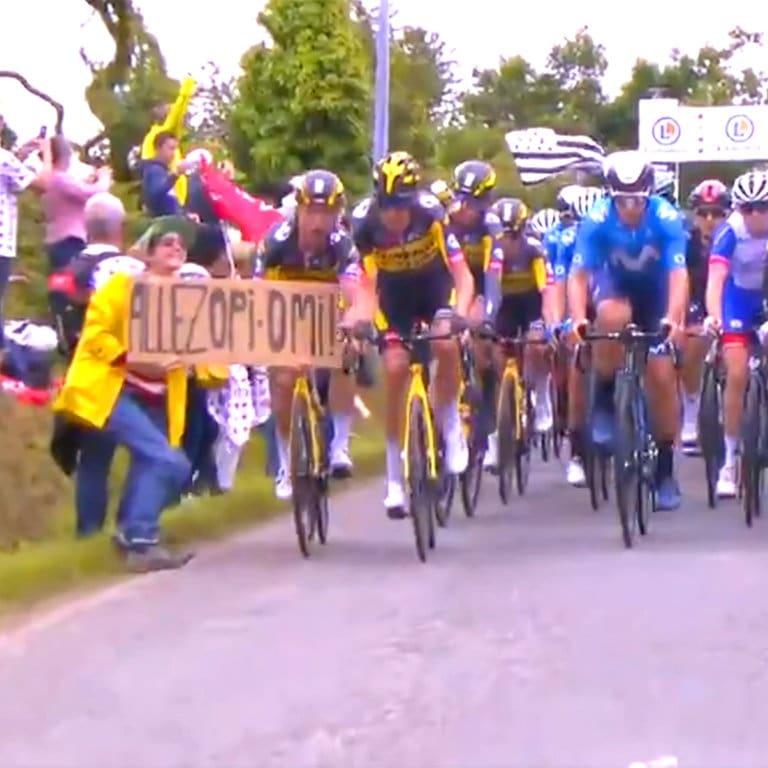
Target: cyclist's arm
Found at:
x=462, y=276
x=356, y=285
x=587, y=258
x=552, y=309
x=723, y=246
x=494, y=265
x=675, y=263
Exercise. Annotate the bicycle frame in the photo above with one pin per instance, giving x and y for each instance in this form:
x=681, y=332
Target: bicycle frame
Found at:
x=306, y=389
x=417, y=389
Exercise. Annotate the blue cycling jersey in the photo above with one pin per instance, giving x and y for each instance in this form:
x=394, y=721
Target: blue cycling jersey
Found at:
x=746, y=258
x=561, y=254
x=636, y=256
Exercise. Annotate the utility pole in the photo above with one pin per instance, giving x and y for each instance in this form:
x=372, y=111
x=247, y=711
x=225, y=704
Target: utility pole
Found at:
x=381, y=87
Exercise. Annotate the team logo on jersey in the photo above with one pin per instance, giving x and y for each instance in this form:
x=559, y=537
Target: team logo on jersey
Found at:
x=739, y=129
x=638, y=263
x=666, y=131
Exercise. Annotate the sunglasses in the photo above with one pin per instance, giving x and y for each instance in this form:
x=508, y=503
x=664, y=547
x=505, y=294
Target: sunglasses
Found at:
x=628, y=202
x=710, y=212
x=748, y=208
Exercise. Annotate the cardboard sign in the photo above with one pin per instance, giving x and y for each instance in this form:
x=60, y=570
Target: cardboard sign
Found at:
x=222, y=322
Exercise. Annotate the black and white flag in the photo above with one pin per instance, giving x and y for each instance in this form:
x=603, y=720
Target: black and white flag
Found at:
x=540, y=154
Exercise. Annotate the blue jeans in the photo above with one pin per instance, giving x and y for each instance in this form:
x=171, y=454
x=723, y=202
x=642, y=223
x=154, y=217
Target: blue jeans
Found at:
x=199, y=437
x=6, y=266
x=267, y=430
x=156, y=473
x=97, y=449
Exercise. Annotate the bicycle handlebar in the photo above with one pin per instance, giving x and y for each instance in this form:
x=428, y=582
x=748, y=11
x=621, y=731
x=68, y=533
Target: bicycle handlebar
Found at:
x=630, y=334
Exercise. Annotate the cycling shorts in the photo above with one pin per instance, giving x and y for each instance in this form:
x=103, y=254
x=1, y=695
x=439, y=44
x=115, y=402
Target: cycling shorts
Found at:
x=417, y=298
x=742, y=313
x=647, y=299
x=518, y=311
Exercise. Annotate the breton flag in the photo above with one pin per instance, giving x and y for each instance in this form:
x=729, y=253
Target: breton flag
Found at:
x=541, y=154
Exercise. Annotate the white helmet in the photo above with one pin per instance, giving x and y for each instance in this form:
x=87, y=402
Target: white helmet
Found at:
x=750, y=187
x=628, y=173
x=542, y=221
x=584, y=201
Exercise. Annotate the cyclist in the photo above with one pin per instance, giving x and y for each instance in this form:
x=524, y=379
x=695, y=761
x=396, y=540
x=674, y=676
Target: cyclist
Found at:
x=310, y=245
x=542, y=222
x=402, y=234
x=734, y=300
x=583, y=201
x=523, y=281
x=710, y=202
x=632, y=244
x=442, y=192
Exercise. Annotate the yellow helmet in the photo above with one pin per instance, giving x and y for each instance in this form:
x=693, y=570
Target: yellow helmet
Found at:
x=396, y=178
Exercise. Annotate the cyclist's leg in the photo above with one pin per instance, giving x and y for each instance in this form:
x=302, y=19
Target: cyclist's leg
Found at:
x=341, y=402
x=694, y=352
x=394, y=320
x=740, y=310
x=577, y=416
x=509, y=322
x=281, y=384
x=648, y=308
x=612, y=312
x=538, y=360
x=447, y=377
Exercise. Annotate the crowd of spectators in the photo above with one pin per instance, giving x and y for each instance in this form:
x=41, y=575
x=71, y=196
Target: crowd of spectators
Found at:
x=174, y=422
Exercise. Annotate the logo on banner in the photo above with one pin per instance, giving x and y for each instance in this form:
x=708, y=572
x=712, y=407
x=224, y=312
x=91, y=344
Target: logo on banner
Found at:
x=739, y=129
x=666, y=131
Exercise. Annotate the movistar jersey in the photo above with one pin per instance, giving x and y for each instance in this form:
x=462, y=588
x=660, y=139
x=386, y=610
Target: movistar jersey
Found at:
x=560, y=248
x=640, y=254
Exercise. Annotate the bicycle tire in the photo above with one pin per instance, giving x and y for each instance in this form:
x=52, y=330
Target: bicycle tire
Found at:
x=750, y=459
x=524, y=448
x=304, y=493
x=506, y=421
x=446, y=492
x=648, y=458
x=560, y=402
x=711, y=436
x=626, y=476
x=419, y=492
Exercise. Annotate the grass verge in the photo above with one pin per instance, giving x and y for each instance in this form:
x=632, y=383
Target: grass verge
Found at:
x=35, y=570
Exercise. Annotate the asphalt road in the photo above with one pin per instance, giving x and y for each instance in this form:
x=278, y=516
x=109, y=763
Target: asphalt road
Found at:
x=530, y=639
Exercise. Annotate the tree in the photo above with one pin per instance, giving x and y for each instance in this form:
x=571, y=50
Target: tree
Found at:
x=125, y=91
x=212, y=105
x=304, y=101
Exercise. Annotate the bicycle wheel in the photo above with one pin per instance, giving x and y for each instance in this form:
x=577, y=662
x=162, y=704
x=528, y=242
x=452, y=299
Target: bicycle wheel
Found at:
x=648, y=461
x=626, y=475
x=446, y=492
x=711, y=437
x=750, y=459
x=525, y=446
x=304, y=484
x=472, y=477
x=419, y=491
x=506, y=421
x=593, y=456
x=559, y=384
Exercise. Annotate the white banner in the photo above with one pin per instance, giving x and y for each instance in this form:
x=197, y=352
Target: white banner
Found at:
x=669, y=131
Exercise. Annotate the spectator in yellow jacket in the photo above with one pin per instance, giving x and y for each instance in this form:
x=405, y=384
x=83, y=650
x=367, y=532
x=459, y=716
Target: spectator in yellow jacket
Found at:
x=141, y=407
x=171, y=120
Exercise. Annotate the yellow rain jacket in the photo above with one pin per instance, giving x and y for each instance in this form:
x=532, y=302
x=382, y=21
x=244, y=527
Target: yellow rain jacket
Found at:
x=173, y=123
x=96, y=375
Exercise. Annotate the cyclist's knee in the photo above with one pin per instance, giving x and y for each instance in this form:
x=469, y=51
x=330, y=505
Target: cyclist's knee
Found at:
x=736, y=360
x=613, y=314
x=660, y=372
x=394, y=359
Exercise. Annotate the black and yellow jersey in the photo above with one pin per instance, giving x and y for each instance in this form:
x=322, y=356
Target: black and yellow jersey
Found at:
x=524, y=268
x=481, y=245
x=279, y=257
x=427, y=247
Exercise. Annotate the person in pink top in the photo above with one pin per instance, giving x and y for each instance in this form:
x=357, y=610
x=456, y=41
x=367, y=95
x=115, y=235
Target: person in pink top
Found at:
x=64, y=204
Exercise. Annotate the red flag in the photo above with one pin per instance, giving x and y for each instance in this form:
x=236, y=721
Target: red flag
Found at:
x=252, y=216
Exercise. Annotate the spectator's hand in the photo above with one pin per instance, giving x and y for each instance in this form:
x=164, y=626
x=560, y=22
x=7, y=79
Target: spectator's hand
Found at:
x=194, y=217
x=187, y=165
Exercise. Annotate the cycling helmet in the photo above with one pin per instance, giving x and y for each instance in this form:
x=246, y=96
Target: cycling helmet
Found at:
x=441, y=191
x=584, y=201
x=396, y=178
x=566, y=198
x=512, y=212
x=750, y=187
x=321, y=187
x=474, y=178
x=710, y=192
x=542, y=221
x=628, y=173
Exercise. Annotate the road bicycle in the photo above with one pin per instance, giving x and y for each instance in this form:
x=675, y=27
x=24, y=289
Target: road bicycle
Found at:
x=710, y=424
x=421, y=451
x=754, y=435
x=635, y=452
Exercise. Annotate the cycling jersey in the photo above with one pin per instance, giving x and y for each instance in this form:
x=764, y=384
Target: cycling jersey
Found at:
x=746, y=258
x=560, y=249
x=480, y=246
x=279, y=257
x=696, y=261
x=413, y=277
x=525, y=270
x=632, y=263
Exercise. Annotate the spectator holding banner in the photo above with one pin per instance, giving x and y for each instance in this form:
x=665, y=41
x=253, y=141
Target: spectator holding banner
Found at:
x=159, y=179
x=142, y=407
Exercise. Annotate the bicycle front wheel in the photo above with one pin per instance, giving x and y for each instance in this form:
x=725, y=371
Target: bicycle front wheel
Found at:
x=507, y=434
x=711, y=438
x=625, y=468
x=305, y=492
x=751, y=463
x=419, y=481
